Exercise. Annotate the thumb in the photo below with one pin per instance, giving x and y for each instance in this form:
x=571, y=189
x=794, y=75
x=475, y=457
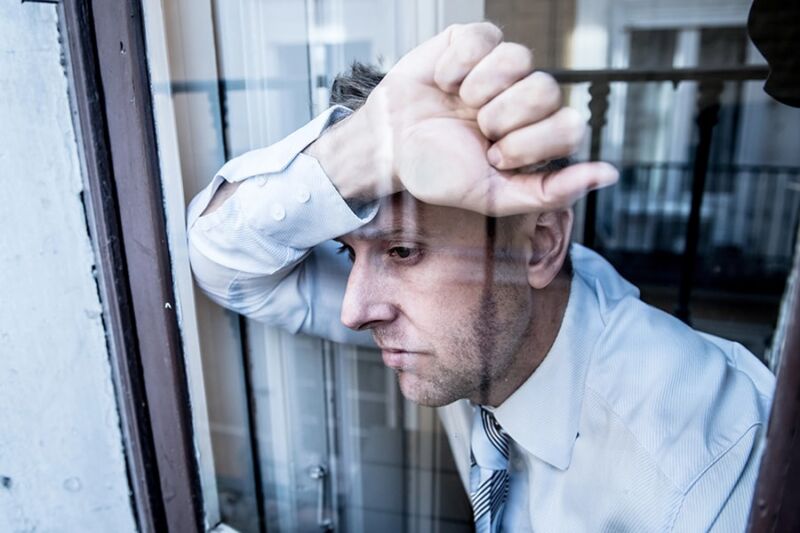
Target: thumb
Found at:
x=550, y=191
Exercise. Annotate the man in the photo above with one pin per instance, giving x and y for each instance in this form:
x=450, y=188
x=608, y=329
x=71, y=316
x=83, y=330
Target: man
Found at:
x=589, y=410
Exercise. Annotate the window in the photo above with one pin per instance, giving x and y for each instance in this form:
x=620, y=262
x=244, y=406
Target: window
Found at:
x=294, y=432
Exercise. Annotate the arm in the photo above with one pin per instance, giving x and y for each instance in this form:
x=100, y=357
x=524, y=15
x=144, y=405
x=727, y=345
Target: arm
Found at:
x=452, y=124
x=346, y=153
x=262, y=244
x=463, y=121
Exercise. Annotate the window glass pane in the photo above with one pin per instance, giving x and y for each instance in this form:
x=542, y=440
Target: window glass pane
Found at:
x=304, y=433
x=314, y=425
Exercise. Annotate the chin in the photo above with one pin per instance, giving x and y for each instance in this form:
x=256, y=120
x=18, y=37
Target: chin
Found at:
x=422, y=392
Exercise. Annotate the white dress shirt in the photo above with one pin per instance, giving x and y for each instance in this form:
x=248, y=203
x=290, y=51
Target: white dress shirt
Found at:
x=633, y=421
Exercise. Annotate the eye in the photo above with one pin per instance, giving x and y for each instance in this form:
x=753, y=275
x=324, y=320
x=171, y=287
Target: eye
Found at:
x=400, y=251
x=344, y=249
x=404, y=252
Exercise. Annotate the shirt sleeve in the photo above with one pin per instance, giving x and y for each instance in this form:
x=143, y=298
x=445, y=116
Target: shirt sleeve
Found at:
x=266, y=252
x=720, y=500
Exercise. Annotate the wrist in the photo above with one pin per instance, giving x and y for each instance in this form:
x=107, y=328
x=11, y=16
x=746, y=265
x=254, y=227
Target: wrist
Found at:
x=354, y=157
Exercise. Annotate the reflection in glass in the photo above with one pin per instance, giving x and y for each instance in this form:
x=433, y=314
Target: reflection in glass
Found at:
x=308, y=434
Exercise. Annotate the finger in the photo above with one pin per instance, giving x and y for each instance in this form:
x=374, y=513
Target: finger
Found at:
x=556, y=136
x=420, y=63
x=468, y=45
x=530, y=100
x=549, y=191
x=500, y=69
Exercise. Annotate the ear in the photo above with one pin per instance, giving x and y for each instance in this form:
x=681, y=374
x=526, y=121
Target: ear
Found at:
x=549, y=241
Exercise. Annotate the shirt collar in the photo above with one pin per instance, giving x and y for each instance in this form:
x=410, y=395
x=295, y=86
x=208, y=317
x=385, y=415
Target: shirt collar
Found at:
x=543, y=414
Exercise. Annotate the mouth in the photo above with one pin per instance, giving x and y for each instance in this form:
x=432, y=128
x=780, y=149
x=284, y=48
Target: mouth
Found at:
x=399, y=359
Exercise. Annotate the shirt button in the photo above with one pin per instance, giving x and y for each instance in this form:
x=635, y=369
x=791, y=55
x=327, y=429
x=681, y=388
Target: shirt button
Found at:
x=303, y=195
x=261, y=181
x=278, y=212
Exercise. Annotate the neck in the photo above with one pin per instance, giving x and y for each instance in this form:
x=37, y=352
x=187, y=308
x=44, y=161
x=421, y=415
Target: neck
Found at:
x=549, y=306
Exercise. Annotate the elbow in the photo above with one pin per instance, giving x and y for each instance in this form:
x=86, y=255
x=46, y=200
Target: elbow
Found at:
x=213, y=278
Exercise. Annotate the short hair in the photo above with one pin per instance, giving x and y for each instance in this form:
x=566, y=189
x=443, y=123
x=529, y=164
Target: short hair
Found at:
x=352, y=88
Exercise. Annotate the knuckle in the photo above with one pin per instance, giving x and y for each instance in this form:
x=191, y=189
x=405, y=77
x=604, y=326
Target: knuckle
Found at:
x=546, y=88
x=571, y=125
x=490, y=31
x=472, y=94
x=465, y=45
x=452, y=31
x=515, y=56
x=544, y=80
x=488, y=122
x=505, y=110
x=535, y=107
x=463, y=51
x=510, y=153
x=481, y=35
x=549, y=198
x=470, y=51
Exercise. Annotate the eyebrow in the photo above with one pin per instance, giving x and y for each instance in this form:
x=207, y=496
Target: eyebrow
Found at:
x=383, y=234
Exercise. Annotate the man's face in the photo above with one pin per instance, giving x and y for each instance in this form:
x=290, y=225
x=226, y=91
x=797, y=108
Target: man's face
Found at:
x=449, y=306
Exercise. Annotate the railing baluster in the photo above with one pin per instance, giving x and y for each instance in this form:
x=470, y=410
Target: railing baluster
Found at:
x=632, y=172
x=655, y=175
x=719, y=215
x=222, y=96
x=662, y=203
x=707, y=115
x=758, y=220
x=792, y=191
x=778, y=223
x=733, y=217
x=598, y=106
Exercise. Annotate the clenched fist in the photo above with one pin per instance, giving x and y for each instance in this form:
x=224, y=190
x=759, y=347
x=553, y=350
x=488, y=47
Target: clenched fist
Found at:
x=463, y=120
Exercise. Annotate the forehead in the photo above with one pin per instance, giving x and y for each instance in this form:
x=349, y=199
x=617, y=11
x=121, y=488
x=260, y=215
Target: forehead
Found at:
x=402, y=215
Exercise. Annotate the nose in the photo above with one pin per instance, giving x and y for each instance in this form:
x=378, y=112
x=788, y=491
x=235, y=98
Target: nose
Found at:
x=366, y=302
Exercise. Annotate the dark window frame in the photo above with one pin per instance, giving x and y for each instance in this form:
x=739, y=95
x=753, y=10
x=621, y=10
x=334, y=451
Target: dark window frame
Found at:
x=108, y=64
x=776, y=500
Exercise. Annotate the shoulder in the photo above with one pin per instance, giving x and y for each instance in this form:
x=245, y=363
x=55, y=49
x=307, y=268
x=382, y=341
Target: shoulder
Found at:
x=686, y=397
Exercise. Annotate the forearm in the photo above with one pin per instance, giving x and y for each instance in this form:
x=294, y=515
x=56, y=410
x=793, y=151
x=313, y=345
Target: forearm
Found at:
x=353, y=157
x=253, y=228
x=356, y=158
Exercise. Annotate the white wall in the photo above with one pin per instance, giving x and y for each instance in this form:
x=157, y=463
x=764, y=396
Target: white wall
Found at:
x=61, y=458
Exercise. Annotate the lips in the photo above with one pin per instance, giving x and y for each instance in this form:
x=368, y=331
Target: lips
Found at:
x=399, y=359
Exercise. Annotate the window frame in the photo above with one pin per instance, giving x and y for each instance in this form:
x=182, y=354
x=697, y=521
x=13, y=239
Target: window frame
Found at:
x=108, y=65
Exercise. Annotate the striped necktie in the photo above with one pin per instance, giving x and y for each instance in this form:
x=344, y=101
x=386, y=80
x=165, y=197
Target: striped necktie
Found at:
x=488, y=471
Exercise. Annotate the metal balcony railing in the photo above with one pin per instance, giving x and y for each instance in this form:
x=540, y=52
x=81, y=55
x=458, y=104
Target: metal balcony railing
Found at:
x=747, y=220
x=744, y=216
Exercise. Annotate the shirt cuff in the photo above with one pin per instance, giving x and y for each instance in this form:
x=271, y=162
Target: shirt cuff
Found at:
x=272, y=159
x=285, y=195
